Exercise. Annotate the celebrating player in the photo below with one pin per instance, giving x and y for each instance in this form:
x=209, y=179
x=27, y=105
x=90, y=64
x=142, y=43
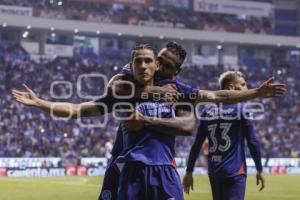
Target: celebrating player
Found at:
x=226, y=133
x=147, y=157
x=183, y=124
x=169, y=61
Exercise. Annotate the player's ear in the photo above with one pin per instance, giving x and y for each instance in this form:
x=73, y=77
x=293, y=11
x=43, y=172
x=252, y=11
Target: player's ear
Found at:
x=157, y=63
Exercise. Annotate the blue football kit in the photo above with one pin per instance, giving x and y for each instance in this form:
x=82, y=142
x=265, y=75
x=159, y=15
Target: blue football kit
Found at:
x=227, y=129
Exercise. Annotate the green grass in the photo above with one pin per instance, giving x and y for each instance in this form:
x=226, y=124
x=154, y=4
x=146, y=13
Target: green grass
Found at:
x=278, y=187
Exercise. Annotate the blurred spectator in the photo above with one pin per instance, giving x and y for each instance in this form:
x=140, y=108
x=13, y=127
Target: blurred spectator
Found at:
x=149, y=16
x=27, y=132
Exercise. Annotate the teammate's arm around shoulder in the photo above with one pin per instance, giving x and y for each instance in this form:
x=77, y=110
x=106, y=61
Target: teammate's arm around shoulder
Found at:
x=123, y=85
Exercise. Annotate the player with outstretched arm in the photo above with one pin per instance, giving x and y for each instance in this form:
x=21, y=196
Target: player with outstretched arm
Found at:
x=227, y=128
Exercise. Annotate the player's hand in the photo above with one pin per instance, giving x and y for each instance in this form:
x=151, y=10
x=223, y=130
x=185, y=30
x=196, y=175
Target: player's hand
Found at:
x=188, y=182
x=260, y=178
x=168, y=93
x=27, y=96
x=269, y=89
x=134, y=123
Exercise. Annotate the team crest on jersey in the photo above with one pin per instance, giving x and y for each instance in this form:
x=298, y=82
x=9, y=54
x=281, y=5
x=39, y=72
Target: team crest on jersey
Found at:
x=106, y=195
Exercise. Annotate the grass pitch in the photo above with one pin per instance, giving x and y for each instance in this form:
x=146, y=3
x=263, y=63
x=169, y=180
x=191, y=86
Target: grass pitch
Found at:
x=278, y=187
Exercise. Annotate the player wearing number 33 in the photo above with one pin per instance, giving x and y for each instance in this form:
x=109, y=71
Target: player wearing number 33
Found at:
x=226, y=127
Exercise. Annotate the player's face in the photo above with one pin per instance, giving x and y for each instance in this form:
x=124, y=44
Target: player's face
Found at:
x=240, y=84
x=144, y=66
x=168, y=64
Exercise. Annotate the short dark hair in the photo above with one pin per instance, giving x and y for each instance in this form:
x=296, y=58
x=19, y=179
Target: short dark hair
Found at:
x=228, y=77
x=178, y=50
x=142, y=46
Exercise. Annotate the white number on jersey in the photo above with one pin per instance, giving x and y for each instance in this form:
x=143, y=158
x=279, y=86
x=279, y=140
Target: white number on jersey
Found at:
x=212, y=133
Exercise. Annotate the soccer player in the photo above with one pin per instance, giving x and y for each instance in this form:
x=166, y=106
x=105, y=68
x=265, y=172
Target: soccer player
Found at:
x=90, y=109
x=179, y=125
x=147, y=157
x=139, y=155
x=227, y=128
x=171, y=59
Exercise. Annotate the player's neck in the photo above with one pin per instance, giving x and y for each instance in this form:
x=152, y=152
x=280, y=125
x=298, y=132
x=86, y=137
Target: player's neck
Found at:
x=149, y=83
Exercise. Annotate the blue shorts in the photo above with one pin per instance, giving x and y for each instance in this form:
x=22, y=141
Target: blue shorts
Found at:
x=110, y=184
x=149, y=182
x=231, y=188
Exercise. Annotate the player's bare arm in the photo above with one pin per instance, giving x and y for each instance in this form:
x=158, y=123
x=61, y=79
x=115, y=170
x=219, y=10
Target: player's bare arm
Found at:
x=266, y=90
x=65, y=109
x=119, y=85
x=181, y=125
x=90, y=109
x=58, y=109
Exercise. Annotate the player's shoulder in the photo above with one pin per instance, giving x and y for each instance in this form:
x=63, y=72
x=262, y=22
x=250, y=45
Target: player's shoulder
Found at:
x=209, y=110
x=213, y=111
x=164, y=81
x=182, y=84
x=121, y=77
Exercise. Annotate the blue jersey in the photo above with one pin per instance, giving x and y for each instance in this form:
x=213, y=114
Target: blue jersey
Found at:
x=188, y=94
x=147, y=146
x=118, y=146
x=119, y=142
x=226, y=130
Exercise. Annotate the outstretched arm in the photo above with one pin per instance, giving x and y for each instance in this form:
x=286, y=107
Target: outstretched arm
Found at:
x=266, y=90
x=70, y=110
x=183, y=124
x=58, y=109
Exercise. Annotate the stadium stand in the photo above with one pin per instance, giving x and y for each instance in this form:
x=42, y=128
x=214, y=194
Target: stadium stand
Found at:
x=32, y=134
x=146, y=16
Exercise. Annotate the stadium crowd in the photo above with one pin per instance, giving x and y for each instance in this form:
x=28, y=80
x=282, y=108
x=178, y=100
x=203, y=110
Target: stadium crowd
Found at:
x=26, y=132
x=145, y=16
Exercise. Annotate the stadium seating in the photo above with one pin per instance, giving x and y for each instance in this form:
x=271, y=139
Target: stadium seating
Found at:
x=172, y=18
x=33, y=134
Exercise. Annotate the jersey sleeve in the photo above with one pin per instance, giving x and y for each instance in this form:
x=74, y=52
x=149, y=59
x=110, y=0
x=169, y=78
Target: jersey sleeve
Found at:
x=253, y=143
x=195, y=150
x=188, y=94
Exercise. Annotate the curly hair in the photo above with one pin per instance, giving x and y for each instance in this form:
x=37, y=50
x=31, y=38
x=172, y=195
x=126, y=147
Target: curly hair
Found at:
x=177, y=50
